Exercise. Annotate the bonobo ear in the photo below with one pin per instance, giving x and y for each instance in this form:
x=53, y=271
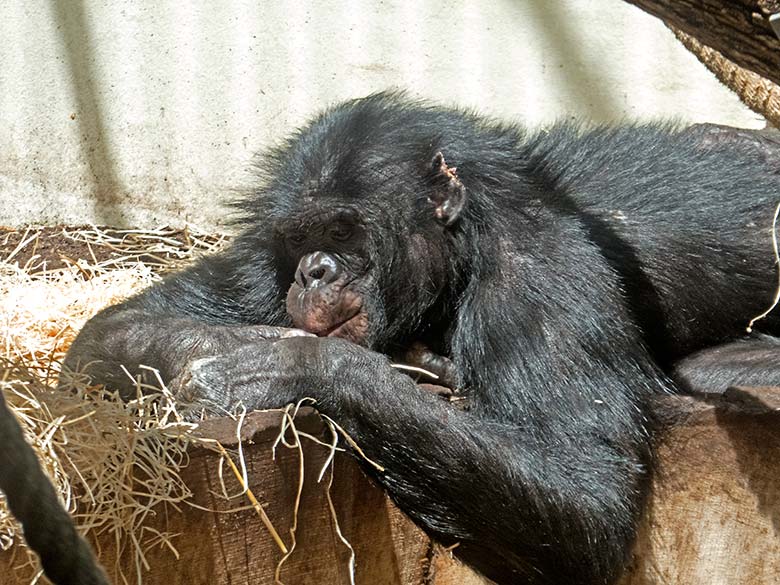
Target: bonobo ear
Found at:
x=449, y=194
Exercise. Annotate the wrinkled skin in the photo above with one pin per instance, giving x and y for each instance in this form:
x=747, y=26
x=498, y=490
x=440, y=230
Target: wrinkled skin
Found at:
x=332, y=310
x=282, y=371
x=554, y=279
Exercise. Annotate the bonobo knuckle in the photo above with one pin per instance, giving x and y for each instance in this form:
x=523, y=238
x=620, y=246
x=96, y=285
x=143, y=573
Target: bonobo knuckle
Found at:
x=207, y=370
x=287, y=333
x=204, y=379
x=302, y=346
x=327, y=354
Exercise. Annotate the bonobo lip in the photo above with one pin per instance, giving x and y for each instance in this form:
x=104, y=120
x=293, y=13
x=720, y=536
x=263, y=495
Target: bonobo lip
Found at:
x=334, y=330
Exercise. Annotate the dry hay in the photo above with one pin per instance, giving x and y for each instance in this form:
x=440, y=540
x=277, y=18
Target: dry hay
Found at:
x=43, y=307
x=116, y=461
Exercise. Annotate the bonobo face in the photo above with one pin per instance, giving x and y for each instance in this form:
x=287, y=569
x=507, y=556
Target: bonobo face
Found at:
x=364, y=209
x=365, y=268
x=333, y=276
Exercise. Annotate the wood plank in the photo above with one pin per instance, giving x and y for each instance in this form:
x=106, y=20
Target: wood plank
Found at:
x=713, y=516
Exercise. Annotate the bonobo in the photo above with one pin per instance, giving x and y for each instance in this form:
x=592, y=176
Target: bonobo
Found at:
x=563, y=272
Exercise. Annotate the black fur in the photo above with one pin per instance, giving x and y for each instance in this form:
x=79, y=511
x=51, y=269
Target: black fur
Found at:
x=582, y=265
x=752, y=361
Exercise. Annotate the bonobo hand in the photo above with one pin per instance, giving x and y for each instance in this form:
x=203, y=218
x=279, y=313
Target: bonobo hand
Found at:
x=419, y=355
x=251, y=333
x=282, y=332
x=268, y=374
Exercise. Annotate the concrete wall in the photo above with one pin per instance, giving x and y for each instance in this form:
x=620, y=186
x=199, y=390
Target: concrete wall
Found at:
x=144, y=112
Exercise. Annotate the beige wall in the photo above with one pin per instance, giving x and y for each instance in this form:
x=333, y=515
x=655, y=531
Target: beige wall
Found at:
x=145, y=112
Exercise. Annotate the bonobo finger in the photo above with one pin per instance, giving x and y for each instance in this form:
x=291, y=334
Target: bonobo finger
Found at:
x=203, y=381
x=272, y=333
x=296, y=333
x=420, y=356
x=437, y=389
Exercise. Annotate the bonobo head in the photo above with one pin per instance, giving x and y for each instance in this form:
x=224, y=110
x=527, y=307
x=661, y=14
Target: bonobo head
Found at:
x=361, y=211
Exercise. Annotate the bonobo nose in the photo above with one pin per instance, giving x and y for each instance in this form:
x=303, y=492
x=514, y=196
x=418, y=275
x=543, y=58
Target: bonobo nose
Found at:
x=317, y=269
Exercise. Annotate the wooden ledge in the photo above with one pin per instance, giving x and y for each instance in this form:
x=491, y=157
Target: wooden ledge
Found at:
x=713, y=515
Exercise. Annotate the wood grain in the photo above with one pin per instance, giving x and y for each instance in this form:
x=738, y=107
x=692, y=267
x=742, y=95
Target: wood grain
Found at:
x=713, y=517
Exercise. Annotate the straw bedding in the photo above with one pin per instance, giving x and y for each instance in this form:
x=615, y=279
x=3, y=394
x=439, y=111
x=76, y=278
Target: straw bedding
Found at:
x=111, y=462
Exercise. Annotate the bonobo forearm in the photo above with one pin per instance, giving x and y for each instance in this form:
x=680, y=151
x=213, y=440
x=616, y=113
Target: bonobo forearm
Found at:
x=126, y=337
x=521, y=504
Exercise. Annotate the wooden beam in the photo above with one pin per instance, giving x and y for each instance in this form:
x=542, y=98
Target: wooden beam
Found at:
x=738, y=29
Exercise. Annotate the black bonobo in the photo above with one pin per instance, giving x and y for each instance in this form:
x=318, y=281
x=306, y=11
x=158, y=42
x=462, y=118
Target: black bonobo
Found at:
x=562, y=273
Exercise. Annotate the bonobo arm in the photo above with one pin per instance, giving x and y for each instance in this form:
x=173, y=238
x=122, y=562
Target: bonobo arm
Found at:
x=540, y=481
x=524, y=507
x=198, y=312
x=752, y=361
x=547, y=348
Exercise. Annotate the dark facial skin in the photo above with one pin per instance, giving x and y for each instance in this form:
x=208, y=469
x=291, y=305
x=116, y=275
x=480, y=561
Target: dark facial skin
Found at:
x=325, y=297
x=327, y=307
x=556, y=277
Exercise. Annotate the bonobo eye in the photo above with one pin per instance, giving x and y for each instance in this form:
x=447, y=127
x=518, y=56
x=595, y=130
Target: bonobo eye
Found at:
x=296, y=238
x=341, y=232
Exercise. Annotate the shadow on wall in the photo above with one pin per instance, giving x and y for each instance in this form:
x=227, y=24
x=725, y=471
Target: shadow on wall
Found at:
x=584, y=71
x=105, y=185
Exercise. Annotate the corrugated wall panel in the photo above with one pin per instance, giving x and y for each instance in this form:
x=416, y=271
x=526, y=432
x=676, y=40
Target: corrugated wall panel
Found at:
x=144, y=112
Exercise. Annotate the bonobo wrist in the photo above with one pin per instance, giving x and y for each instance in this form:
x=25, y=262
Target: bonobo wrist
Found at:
x=343, y=359
x=203, y=382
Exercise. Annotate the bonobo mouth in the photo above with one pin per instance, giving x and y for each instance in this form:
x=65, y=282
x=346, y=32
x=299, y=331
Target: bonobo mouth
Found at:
x=332, y=312
x=354, y=328
x=334, y=330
